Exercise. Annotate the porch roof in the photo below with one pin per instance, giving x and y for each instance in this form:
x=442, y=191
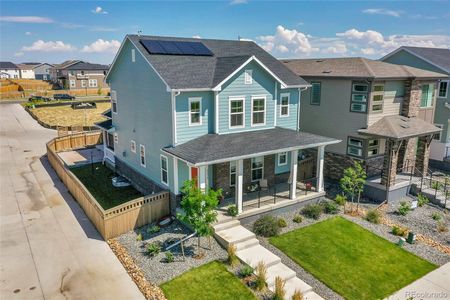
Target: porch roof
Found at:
x=400, y=127
x=214, y=148
x=105, y=125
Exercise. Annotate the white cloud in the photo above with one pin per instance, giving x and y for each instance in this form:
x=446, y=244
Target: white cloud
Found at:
x=25, y=19
x=287, y=41
x=101, y=45
x=50, y=46
x=28, y=33
x=98, y=10
x=237, y=2
x=196, y=36
x=338, y=48
x=383, y=11
x=19, y=54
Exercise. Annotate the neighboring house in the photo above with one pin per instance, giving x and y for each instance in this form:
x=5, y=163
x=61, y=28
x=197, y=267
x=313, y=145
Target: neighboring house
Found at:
x=381, y=111
x=42, y=71
x=26, y=71
x=437, y=60
x=224, y=113
x=76, y=75
x=9, y=70
x=55, y=70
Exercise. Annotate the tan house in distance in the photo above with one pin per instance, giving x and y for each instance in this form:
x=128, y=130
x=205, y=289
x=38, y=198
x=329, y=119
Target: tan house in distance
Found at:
x=79, y=75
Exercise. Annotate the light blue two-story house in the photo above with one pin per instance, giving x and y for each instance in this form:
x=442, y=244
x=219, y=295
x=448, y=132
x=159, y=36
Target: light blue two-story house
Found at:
x=225, y=113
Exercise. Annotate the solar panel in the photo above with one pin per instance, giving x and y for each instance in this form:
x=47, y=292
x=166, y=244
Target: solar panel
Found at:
x=176, y=48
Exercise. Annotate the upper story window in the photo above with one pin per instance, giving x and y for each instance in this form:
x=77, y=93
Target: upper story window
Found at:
x=377, y=98
x=232, y=173
x=284, y=105
x=248, y=77
x=92, y=82
x=358, y=101
x=83, y=83
x=427, y=95
x=164, y=170
x=116, y=138
x=378, y=88
x=258, y=111
x=82, y=72
x=282, y=158
x=443, y=89
x=437, y=136
x=133, y=55
x=315, y=93
x=114, y=102
x=354, y=146
x=133, y=146
x=237, y=112
x=142, y=155
x=373, y=147
x=72, y=83
x=195, y=110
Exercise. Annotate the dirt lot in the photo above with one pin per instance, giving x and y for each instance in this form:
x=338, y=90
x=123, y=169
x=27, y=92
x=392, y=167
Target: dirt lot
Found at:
x=66, y=116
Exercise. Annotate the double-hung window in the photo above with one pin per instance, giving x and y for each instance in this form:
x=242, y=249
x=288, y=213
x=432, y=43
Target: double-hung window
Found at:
x=377, y=98
x=372, y=147
x=164, y=170
x=232, y=173
x=133, y=146
x=116, y=138
x=73, y=83
x=195, y=111
x=427, y=95
x=114, y=102
x=284, y=105
x=142, y=155
x=83, y=83
x=258, y=111
x=315, y=93
x=282, y=158
x=437, y=136
x=354, y=146
x=92, y=82
x=443, y=88
x=257, y=168
x=237, y=112
x=358, y=101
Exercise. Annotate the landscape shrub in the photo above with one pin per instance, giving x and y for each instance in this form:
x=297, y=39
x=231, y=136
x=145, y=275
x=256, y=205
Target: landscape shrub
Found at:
x=232, y=258
x=404, y=208
x=436, y=185
x=373, y=216
x=435, y=216
x=298, y=295
x=442, y=227
x=246, y=271
x=139, y=237
x=282, y=223
x=266, y=226
x=297, y=219
x=340, y=200
x=279, y=292
x=422, y=200
x=399, y=231
x=232, y=210
x=153, y=249
x=153, y=229
x=312, y=211
x=261, y=276
x=169, y=257
x=330, y=207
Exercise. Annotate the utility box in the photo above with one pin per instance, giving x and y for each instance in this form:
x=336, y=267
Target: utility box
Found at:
x=411, y=238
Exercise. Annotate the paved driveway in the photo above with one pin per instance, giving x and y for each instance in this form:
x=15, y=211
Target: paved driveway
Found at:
x=48, y=247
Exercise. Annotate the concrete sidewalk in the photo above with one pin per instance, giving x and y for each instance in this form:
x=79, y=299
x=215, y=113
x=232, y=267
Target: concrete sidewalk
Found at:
x=434, y=285
x=48, y=247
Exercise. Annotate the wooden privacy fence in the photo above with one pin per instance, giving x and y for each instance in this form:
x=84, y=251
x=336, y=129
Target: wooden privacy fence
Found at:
x=114, y=221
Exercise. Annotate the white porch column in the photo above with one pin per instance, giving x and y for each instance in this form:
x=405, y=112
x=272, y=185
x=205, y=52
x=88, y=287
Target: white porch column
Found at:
x=294, y=163
x=320, y=161
x=175, y=176
x=202, y=178
x=239, y=184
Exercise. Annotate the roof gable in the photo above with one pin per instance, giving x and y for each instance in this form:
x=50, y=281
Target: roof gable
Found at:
x=8, y=65
x=438, y=57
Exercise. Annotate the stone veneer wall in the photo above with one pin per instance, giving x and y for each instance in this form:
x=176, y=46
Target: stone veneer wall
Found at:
x=407, y=154
x=335, y=164
x=411, y=99
x=139, y=181
x=423, y=155
x=390, y=167
x=374, y=165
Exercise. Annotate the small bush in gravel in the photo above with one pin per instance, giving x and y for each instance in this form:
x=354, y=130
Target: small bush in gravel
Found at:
x=153, y=249
x=279, y=292
x=330, y=207
x=246, y=271
x=404, y=208
x=373, y=216
x=436, y=185
x=435, y=216
x=422, y=200
x=282, y=223
x=169, y=257
x=441, y=227
x=297, y=219
x=399, y=231
x=312, y=211
x=261, y=276
x=340, y=200
x=266, y=226
x=297, y=295
x=232, y=258
x=139, y=237
x=232, y=210
x=153, y=229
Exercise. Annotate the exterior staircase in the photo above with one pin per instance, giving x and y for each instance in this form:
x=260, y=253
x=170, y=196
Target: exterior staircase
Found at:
x=251, y=252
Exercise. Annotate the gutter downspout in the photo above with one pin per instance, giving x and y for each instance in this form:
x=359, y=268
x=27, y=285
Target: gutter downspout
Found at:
x=174, y=94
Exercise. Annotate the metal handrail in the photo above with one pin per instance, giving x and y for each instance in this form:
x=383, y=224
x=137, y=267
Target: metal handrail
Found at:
x=181, y=241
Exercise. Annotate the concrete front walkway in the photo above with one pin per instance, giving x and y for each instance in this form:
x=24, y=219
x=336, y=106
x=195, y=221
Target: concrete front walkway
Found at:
x=251, y=252
x=48, y=247
x=434, y=285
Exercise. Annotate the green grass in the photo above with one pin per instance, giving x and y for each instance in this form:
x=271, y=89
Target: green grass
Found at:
x=352, y=261
x=210, y=281
x=100, y=186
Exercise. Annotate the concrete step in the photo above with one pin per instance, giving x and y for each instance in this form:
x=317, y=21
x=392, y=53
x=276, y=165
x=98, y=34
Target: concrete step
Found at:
x=312, y=296
x=247, y=244
x=280, y=270
x=233, y=235
x=253, y=255
x=226, y=225
x=292, y=285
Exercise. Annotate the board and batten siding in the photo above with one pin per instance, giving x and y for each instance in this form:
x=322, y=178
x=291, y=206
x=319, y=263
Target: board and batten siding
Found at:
x=144, y=114
x=392, y=100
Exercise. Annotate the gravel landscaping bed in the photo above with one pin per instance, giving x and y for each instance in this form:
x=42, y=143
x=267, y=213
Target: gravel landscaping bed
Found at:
x=156, y=269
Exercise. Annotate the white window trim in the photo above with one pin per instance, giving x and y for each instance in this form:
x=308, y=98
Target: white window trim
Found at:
x=248, y=76
x=441, y=126
x=133, y=55
x=161, y=169
x=195, y=99
x=73, y=83
x=349, y=145
x=279, y=155
x=116, y=138
x=114, y=99
x=232, y=173
x=281, y=104
x=363, y=84
x=235, y=98
x=133, y=146
x=257, y=97
x=83, y=83
x=446, y=91
x=251, y=168
x=142, y=149
x=92, y=85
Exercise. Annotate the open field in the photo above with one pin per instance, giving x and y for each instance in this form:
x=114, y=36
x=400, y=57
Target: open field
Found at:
x=351, y=260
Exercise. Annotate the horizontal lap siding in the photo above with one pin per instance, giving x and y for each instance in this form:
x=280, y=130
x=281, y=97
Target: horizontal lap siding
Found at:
x=392, y=100
x=290, y=121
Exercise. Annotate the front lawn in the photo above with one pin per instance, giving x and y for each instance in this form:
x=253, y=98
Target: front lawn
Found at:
x=352, y=261
x=210, y=281
x=100, y=186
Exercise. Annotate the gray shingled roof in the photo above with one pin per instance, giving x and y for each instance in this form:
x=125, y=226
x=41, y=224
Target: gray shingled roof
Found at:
x=356, y=67
x=437, y=56
x=189, y=72
x=7, y=65
x=214, y=148
x=400, y=127
x=86, y=66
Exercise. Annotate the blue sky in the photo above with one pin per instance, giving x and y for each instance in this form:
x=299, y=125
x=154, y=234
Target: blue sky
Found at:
x=54, y=31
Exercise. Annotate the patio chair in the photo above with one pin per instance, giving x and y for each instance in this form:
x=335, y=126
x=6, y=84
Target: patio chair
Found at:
x=263, y=185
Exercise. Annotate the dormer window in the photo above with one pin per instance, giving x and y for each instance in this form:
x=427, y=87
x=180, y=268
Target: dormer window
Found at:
x=248, y=78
